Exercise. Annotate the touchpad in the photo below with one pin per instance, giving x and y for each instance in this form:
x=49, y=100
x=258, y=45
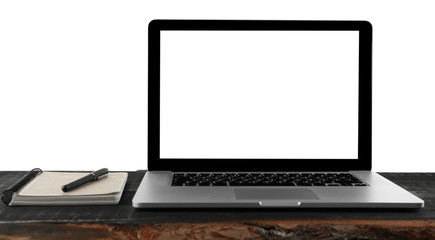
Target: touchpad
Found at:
x=274, y=193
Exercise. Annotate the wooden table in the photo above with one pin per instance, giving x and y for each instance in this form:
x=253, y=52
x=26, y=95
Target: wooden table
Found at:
x=124, y=222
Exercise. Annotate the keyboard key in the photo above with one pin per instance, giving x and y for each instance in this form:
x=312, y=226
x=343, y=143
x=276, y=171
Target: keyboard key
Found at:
x=219, y=184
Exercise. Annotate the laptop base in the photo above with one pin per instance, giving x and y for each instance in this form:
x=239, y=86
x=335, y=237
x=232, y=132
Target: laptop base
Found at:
x=155, y=191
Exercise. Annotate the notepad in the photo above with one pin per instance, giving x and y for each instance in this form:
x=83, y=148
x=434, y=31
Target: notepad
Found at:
x=45, y=189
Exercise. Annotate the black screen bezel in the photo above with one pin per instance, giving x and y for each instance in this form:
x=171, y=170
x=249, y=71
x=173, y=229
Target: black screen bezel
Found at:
x=363, y=162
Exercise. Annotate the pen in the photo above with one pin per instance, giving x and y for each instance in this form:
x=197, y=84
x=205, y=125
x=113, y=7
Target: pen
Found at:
x=93, y=176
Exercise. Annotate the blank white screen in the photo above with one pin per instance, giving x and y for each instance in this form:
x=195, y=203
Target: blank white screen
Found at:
x=259, y=94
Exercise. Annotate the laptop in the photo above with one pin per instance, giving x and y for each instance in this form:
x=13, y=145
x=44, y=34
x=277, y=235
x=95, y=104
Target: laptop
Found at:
x=262, y=114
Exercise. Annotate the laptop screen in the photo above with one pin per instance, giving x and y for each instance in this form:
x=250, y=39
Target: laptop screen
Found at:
x=259, y=94
x=245, y=95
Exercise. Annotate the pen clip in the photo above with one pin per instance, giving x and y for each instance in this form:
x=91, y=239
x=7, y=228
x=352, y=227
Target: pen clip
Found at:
x=100, y=173
x=101, y=176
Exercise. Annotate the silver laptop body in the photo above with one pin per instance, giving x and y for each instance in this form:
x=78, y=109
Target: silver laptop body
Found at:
x=255, y=113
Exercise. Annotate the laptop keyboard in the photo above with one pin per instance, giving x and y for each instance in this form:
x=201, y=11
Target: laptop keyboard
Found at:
x=265, y=179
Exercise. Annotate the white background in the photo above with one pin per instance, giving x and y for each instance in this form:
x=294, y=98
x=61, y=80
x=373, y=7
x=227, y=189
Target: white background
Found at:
x=73, y=77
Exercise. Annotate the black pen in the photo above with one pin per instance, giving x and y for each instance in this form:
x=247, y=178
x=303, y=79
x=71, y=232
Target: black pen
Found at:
x=93, y=176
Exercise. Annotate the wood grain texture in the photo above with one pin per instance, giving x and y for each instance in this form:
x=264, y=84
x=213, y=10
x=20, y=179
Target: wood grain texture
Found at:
x=122, y=221
x=250, y=230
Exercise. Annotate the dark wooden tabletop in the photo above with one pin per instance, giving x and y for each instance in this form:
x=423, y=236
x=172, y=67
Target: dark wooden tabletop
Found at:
x=251, y=223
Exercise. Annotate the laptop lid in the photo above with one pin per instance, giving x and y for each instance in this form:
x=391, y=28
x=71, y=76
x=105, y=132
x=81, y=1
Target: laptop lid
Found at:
x=257, y=95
